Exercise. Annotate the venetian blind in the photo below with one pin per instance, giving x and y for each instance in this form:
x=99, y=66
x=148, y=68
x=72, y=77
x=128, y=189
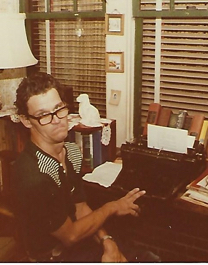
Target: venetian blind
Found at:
x=183, y=67
x=146, y=5
x=182, y=4
x=148, y=66
x=78, y=62
x=67, y=5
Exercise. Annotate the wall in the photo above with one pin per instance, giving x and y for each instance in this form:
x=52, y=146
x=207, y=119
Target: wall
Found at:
x=122, y=113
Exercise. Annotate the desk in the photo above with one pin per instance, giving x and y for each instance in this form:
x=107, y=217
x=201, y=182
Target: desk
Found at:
x=175, y=233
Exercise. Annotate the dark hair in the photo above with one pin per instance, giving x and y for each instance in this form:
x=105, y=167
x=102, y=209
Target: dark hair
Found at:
x=35, y=84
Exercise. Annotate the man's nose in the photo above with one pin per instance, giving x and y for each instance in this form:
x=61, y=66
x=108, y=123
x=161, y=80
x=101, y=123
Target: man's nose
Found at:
x=55, y=119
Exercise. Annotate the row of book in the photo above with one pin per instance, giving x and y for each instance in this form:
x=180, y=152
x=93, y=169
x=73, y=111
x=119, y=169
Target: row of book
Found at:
x=89, y=140
x=196, y=125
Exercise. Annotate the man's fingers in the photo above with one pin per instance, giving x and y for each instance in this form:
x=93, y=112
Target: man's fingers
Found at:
x=136, y=208
x=135, y=193
x=134, y=213
x=132, y=192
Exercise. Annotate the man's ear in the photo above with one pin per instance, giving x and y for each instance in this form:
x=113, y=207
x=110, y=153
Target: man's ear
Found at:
x=25, y=121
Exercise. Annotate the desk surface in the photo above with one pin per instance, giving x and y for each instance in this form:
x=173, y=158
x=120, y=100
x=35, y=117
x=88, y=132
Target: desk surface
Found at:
x=174, y=212
x=111, y=194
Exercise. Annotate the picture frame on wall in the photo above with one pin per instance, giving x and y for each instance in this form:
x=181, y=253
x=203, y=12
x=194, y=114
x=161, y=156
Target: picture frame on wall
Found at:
x=114, y=24
x=115, y=62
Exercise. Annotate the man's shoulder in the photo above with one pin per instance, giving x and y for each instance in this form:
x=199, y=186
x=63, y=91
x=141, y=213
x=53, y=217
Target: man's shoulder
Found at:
x=26, y=155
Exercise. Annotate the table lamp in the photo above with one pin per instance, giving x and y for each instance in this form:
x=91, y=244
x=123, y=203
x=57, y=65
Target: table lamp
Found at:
x=14, y=48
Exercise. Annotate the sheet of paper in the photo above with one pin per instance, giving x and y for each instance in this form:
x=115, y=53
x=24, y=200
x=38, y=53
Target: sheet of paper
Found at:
x=190, y=141
x=104, y=174
x=197, y=196
x=204, y=182
x=166, y=138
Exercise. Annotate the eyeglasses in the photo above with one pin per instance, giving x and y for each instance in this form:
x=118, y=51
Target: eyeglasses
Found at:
x=47, y=118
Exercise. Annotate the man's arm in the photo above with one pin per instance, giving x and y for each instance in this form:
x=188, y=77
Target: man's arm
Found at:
x=72, y=232
x=111, y=252
x=82, y=210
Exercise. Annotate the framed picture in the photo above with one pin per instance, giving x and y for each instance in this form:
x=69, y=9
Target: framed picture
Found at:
x=114, y=24
x=115, y=62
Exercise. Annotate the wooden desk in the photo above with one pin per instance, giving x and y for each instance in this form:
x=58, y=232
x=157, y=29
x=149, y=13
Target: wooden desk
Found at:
x=175, y=233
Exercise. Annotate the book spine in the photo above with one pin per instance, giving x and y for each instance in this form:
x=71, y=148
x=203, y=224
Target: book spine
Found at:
x=109, y=150
x=196, y=125
x=204, y=134
x=91, y=151
x=181, y=119
x=152, y=116
x=97, y=148
x=112, y=144
x=173, y=120
x=78, y=140
x=87, y=157
x=187, y=122
x=164, y=117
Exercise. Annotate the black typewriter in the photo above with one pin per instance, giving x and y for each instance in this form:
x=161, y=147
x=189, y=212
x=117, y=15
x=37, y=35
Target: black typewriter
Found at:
x=161, y=173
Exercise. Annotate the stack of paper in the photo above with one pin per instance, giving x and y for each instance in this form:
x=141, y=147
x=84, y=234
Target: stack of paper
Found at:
x=104, y=174
x=197, y=190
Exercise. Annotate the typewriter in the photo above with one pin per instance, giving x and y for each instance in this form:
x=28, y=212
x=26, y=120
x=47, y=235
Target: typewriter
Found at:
x=161, y=173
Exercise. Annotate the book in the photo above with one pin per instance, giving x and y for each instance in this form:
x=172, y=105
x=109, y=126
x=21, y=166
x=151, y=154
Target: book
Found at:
x=164, y=117
x=196, y=125
x=177, y=120
x=204, y=134
x=181, y=119
x=173, y=120
x=91, y=151
x=97, y=148
x=187, y=122
x=87, y=153
x=109, y=148
x=78, y=140
x=200, y=184
x=152, y=116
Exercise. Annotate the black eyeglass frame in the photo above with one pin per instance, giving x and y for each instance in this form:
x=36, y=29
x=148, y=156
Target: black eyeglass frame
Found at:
x=52, y=114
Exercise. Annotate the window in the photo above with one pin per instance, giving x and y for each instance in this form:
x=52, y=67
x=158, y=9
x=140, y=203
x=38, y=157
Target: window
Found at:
x=174, y=69
x=76, y=61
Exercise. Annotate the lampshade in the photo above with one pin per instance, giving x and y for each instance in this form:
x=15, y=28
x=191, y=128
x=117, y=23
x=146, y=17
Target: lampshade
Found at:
x=14, y=48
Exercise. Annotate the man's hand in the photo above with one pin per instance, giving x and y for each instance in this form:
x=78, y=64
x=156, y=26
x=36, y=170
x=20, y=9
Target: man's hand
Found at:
x=126, y=204
x=111, y=252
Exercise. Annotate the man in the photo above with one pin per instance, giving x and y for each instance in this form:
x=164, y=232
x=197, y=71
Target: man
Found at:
x=56, y=223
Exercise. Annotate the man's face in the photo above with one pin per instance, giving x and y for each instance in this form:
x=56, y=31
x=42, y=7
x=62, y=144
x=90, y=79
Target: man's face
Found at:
x=57, y=130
